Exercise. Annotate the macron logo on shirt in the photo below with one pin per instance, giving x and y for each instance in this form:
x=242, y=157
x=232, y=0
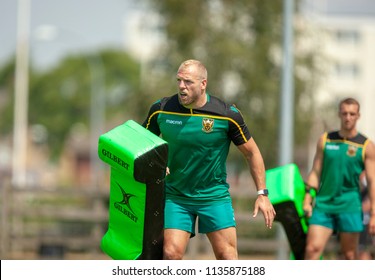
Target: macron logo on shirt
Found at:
x=174, y=122
x=332, y=147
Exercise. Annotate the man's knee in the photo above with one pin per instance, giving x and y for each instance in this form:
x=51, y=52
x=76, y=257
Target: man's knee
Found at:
x=312, y=252
x=171, y=252
x=229, y=254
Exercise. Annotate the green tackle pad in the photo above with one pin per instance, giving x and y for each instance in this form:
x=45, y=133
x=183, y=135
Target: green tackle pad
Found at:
x=287, y=191
x=138, y=161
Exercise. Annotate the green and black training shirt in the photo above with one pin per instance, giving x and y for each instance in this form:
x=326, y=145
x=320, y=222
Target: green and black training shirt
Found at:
x=198, y=146
x=343, y=162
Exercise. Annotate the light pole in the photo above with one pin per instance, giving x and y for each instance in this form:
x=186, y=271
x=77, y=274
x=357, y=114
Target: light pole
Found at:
x=287, y=106
x=97, y=117
x=19, y=153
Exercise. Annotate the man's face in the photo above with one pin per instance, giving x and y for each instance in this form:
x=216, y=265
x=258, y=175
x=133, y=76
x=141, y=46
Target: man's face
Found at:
x=349, y=115
x=190, y=86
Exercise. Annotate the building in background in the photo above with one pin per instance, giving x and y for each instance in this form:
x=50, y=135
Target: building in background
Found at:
x=344, y=32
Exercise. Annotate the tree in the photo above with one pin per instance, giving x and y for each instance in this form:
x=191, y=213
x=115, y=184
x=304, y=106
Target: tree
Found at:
x=60, y=97
x=6, y=96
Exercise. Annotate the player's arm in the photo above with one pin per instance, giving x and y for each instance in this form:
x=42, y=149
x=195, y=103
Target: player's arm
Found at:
x=313, y=178
x=370, y=176
x=150, y=122
x=256, y=164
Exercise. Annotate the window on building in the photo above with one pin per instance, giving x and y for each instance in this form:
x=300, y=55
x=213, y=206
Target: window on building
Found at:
x=348, y=36
x=347, y=70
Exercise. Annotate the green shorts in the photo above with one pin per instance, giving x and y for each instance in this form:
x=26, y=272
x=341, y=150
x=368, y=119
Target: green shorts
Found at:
x=342, y=222
x=210, y=217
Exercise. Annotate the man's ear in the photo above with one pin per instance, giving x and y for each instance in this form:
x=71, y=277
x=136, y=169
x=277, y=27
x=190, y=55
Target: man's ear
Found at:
x=204, y=84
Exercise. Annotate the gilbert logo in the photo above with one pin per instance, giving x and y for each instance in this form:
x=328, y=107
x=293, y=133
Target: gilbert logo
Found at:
x=207, y=125
x=124, y=205
x=115, y=158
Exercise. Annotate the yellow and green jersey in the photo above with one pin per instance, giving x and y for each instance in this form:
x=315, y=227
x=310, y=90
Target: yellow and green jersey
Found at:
x=343, y=162
x=198, y=146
